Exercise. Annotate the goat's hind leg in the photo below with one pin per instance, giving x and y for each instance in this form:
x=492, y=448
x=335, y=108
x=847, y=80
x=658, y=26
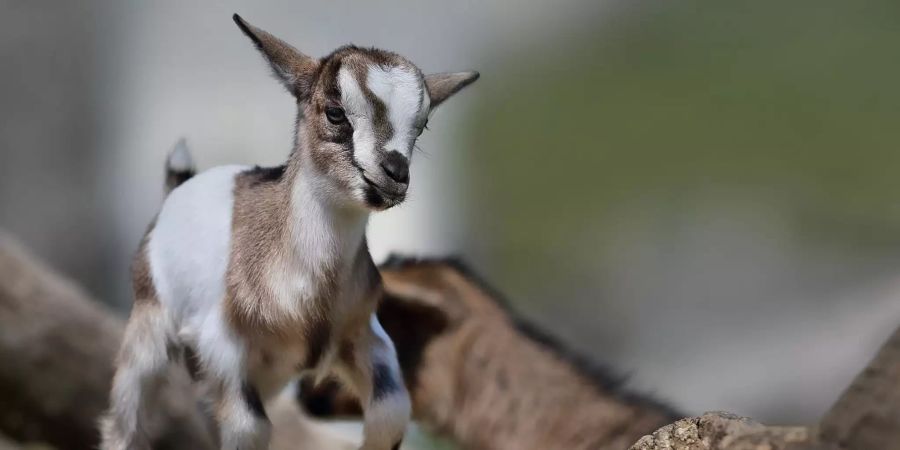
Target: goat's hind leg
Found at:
x=142, y=361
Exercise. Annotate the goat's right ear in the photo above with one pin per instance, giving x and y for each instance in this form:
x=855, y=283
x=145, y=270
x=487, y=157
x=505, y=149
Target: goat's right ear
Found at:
x=294, y=69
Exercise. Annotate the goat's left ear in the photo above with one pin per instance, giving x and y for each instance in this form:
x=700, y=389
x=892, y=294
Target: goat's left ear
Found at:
x=294, y=69
x=442, y=85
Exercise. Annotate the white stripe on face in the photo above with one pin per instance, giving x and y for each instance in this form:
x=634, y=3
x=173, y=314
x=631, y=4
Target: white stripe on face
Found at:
x=360, y=114
x=402, y=92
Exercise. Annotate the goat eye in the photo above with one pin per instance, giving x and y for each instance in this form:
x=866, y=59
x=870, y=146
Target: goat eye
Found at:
x=423, y=128
x=335, y=115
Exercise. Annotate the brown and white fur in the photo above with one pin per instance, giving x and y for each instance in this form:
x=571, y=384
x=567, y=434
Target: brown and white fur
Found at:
x=261, y=274
x=488, y=379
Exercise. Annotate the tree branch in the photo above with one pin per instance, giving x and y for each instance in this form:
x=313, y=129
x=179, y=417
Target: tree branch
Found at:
x=866, y=416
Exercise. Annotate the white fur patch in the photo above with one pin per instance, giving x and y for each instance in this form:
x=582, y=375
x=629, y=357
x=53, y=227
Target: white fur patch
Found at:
x=386, y=421
x=321, y=236
x=189, y=250
x=383, y=350
x=402, y=91
x=361, y=115
x=386, y=418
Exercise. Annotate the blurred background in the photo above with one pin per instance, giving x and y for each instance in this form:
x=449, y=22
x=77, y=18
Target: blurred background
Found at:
x=702, y=194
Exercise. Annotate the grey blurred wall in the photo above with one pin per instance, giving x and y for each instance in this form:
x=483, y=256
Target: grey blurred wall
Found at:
x=49, y=124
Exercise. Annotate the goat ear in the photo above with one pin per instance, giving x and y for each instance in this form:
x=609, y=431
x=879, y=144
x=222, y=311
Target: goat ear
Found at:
x=442, y=85
x=294, y=69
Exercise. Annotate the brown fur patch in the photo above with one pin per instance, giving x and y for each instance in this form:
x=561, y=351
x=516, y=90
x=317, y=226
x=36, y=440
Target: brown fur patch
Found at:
x=260, y=224
x=141, y=278
x=259, y=236
x=347, y=351
x=258, y=229
x=508, y=390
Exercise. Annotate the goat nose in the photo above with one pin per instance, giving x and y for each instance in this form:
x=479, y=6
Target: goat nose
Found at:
x=396, y=166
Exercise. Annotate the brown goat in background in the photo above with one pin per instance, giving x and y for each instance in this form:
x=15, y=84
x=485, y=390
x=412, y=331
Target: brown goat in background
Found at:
x=487, y=379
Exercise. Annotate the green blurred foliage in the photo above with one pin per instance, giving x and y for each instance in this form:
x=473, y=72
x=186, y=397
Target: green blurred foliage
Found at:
x=794, y=103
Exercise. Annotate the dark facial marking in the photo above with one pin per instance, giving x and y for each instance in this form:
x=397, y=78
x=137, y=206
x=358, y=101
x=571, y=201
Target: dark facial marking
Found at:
x=383, y=381
x=333, y=118
x=373, y=198
x=359, y=68
x=338, y=131
x=383, y=129
x=331, y=64
x=397, y=445
x=251, y=397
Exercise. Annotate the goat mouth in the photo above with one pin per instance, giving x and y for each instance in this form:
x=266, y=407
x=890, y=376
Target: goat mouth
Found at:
x=378, y=196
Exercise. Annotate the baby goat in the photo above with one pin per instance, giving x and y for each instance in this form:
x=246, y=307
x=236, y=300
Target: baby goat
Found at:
x=261, y=274
x=485, y=377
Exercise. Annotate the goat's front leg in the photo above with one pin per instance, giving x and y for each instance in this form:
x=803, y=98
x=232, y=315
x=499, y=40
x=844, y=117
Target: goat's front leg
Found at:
x=242, y=420
x=370, y=366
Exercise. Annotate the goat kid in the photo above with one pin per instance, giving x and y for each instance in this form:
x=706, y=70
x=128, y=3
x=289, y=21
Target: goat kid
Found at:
x=261, y=274
x=481, y=375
